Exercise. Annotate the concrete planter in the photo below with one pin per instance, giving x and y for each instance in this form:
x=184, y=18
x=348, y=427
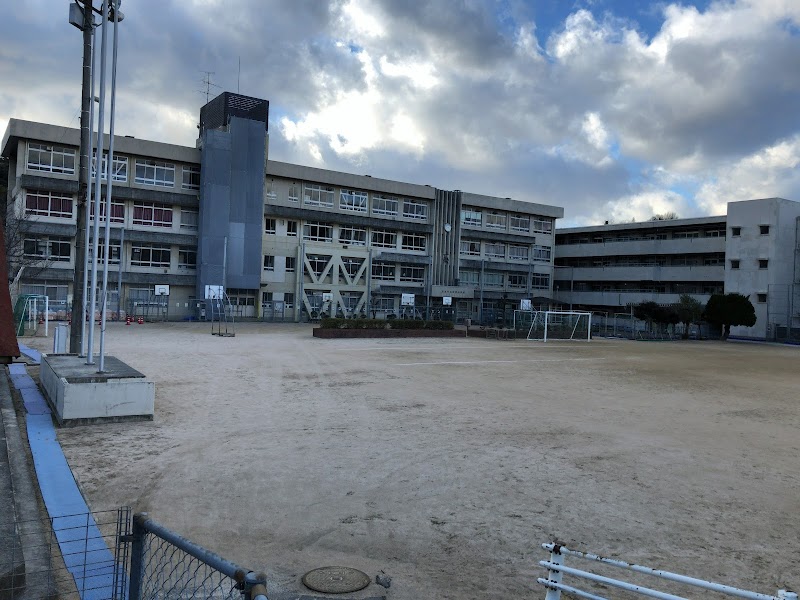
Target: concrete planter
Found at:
x=329, y=334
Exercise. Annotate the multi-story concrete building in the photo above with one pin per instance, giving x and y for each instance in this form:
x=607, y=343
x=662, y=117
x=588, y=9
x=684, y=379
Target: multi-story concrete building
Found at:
x=286, y=241
x=752, y=250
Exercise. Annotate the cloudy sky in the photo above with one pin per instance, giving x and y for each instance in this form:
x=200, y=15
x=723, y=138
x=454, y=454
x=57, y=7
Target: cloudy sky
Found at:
x=613, y=109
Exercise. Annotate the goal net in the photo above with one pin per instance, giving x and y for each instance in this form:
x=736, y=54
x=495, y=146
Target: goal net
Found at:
x=560, y=325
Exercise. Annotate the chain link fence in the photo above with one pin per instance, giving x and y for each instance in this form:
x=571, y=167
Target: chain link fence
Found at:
x=70, y=557
x=783, y=313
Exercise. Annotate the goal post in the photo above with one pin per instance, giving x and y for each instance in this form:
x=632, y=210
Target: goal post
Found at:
x=552, y=325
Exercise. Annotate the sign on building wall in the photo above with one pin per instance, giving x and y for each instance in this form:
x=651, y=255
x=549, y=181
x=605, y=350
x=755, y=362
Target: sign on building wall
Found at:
x=440, y=291
x=214, y=292
x=407, y=300
x=525, y=304
x=447, y=301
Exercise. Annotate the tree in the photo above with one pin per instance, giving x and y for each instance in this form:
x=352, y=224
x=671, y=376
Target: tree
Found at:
x=645, y=311
x=689, y=310
x=667, y=216
x=729, y=310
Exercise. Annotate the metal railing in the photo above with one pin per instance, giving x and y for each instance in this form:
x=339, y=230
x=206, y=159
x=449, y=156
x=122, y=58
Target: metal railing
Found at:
x=78, y=556
x=167, y=565
x=557, y=569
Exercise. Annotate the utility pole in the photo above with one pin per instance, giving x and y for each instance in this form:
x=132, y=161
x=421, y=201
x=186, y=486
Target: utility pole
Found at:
x=83, y=181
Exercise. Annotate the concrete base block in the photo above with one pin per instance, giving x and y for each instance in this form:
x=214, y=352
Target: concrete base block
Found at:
x=79, y=394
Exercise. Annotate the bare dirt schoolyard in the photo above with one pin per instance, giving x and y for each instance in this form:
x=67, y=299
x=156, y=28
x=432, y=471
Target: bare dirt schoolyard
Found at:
x=446, y=462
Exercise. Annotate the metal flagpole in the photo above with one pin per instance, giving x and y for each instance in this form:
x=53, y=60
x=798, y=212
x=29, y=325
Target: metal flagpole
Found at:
x=109, y=187
x=97, y=190
x=88, y=200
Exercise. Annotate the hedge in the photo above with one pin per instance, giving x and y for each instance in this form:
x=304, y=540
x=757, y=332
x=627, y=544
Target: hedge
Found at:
x=330, y=323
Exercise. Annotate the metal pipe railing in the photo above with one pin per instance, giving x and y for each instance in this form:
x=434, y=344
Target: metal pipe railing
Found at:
x=556, y=568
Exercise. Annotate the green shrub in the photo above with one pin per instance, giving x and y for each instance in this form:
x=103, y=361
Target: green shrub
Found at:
x=330, y=323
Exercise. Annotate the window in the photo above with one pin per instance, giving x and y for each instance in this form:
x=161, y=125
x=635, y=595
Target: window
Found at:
x=48, y=204
x=317, y=262
x=189, y=219
x=352, y=265
x=542, y=225
x=291, y=228
x=734, y=263
x=318, y=195
x=269, y=226
x=763, y=263
x=412, y=273
x=415, y=210
x=291, y=264
x=351, y=300
x=492, y=279
x=288, y=301
x=113, y=258
x=353, y=200
x=317, y=232
x=762, y=298
x=118, y=173
x=352, y=236
x=294, y=192
x=495, y=221
x=191, y=177
x=518, y=252
x=56, y=249
x=187, y=258
x=383, y=303
x=542, y=253
x=269, y=262
x=517, y=281
x=518, y=223
x=763, y=229
x=383, y=271
x=150, y=255
x=117, y=212
x=685, y=235
x=736, y=231
x=384, y=239
x=153, y=172
x=147, y=213
x=470, y=247
x=495, y=250
x=471, y=217
x=53, y=159
x=469, y=277
x=269, y=189
x=56, y=293
x=713, y=261
x=715, y=233
x=540, y=281
x=413, y=242
x=384, y=205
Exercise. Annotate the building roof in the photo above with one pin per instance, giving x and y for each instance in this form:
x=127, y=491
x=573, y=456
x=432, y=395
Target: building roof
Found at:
x=8, y=337
x=69, y=136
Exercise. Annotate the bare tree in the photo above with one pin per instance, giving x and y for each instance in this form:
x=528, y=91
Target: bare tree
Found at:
x=667, y=216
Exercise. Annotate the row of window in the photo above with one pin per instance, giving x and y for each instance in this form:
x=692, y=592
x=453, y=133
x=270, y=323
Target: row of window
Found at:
x=314, y=231
x=53, y=204
x=682, y=260
x=762, y=230
x=60, y=159
x=59, y=249
x=763, y=263
x=475, y=217
x=538, y=281
x=638, y=236
x=517, y=252
x=324, y=196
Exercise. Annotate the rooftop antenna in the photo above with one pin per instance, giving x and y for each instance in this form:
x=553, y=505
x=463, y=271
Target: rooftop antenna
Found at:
x=239, y=75
x=208, y=84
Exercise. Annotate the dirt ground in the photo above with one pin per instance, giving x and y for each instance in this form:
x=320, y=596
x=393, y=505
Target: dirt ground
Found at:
x=445, y=463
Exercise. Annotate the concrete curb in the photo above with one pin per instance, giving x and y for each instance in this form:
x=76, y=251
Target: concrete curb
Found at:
x=27, y=513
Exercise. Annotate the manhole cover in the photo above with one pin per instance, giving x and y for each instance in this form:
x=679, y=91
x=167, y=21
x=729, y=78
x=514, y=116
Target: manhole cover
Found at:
x=335, y=580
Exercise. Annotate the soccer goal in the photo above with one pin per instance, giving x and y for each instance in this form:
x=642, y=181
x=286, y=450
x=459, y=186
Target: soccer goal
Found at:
x=549, y=325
